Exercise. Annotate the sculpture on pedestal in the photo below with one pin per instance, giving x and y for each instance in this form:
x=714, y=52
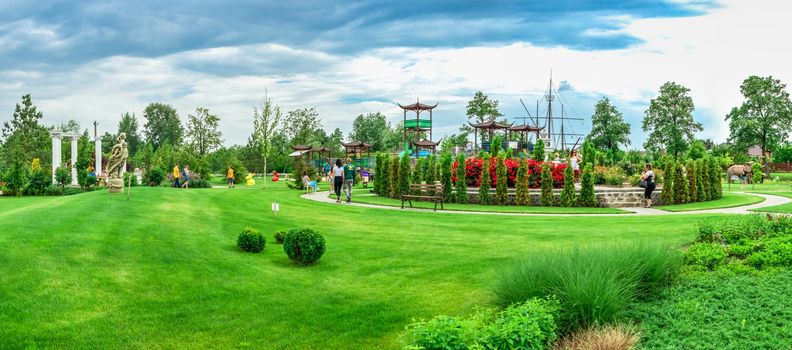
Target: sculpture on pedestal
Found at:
x=115, y=165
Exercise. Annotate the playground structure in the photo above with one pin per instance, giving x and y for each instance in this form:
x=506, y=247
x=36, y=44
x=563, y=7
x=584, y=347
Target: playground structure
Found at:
x=417, y=131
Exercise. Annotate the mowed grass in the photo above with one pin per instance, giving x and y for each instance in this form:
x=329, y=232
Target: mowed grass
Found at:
x=162, y=271
x=378, y=200
x=728, y=200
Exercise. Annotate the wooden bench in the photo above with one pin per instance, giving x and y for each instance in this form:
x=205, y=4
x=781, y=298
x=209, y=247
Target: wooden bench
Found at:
x=429, y=192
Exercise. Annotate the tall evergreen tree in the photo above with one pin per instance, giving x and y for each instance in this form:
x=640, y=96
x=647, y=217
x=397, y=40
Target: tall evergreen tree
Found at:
x=680, y=185
x=461, y=182
x=567, y=198
x=693, y=195
x=394, y=177
x=404, y=174
x=539, y=151
x=587, y=196
x=445, y=176
x=547, y=185
x=501, y=188
x=521, y=190
x=484, y=185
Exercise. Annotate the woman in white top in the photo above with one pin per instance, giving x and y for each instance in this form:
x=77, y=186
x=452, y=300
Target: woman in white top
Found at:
x=338, y=179
x=649, y=177
x=574, y=162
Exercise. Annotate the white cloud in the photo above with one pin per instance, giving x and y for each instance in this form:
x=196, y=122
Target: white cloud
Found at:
x=710, y=54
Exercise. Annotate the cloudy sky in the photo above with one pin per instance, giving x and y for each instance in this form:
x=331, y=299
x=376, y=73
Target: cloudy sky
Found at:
x=94, y=60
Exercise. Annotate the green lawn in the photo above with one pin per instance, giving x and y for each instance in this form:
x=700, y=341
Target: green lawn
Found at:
x=162, y=271
x=373, y=199
x=759, y=187
x=783, y=208
x=729, y=200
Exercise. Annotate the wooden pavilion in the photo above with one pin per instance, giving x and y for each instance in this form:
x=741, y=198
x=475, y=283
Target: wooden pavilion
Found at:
x=356, y=149
x=416, y=130
x=489, y=127
x=524, y=131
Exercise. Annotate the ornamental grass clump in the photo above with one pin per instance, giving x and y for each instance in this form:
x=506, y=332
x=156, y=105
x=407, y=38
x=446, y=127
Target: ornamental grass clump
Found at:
x=251, y=240
x=484, y=187
x=547, y=185
x=501, y=190
x=594, y=284
x=304, y=246
x=567, y=198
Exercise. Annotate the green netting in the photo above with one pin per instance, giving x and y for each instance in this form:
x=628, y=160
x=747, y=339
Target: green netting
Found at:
x=422, y=123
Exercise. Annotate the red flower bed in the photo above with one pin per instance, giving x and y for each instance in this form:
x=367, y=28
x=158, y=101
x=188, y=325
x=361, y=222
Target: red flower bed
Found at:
x=473, y=168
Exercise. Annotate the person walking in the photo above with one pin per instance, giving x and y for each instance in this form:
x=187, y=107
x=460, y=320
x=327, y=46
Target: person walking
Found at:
x=349, y=178
x=230, y=176
x=176, y=176
x=574, y=162
x=649, y=178
x=338, y=179
x=186, y=176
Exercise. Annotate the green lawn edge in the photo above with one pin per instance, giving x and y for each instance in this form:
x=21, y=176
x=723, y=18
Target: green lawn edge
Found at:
x=729, y=200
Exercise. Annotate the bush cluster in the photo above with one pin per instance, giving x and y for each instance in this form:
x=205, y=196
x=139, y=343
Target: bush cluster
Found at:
x=279, y=236
x=754, y=241
x=594, y=284
x=251, y=240
x=526, y=325
x=304, y=245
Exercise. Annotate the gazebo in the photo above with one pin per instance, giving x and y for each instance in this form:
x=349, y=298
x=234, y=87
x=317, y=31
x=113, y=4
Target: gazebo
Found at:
x=415, y=130
x=355, y=150
x=523, y=131
x=489, y=126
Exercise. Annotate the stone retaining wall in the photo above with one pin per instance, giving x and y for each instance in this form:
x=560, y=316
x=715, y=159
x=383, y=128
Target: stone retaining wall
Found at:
x=611, y=197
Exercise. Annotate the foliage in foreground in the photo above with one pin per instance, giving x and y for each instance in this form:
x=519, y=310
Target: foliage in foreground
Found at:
x=304, y=246
x=720, y=311
x=742, y=242
x=594, y=284
x=527, y=325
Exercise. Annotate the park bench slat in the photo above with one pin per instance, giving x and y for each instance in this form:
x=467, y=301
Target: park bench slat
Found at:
x=436, y=197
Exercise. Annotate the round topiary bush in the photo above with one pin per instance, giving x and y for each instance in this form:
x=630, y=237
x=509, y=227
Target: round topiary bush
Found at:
x=250, y=240
x=304, y=245
x=279, y=236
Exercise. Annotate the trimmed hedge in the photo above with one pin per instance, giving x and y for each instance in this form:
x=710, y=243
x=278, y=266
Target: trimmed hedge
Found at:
x=250, y=240
x=304, y=246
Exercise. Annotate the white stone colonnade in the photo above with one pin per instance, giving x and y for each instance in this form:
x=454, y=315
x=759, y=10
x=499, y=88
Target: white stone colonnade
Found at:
x=57, y=154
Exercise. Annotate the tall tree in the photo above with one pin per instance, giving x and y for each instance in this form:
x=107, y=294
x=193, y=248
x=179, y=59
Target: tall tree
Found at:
x=129, y=126
x=302, y=126
x=371, y=128
x=480, y=109
x=162, y=125
x=608, y=128
x=203, y=131
x=265, y=124
x=669, y=120
x=764, y=118
x=23, y=138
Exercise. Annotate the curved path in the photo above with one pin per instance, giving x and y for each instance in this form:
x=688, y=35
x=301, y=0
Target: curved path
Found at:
x=770, y=200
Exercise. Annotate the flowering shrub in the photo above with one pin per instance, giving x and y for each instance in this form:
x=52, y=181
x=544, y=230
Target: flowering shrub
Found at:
x=474, y=167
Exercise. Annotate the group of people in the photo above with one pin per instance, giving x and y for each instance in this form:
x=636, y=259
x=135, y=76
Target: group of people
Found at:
x=183, y=175
x=343, y=179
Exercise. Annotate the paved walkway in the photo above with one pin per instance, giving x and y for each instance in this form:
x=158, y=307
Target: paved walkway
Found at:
x=770, y=200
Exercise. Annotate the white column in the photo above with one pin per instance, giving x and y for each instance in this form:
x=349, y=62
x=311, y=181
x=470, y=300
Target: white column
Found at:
x=98, y=156
x=74, y=160
x=56, y=152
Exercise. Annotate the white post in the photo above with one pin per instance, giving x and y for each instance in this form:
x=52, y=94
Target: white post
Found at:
x=74, y=160
x=56, y=152
x=98, y=155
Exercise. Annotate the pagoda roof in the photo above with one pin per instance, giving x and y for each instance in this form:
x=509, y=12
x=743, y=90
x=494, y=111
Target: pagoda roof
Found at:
x=356, y=144
x=417, y=106
x=301, y=147
x=491, y=124
x=321, y=149
x=426, y=143
x=525, y=128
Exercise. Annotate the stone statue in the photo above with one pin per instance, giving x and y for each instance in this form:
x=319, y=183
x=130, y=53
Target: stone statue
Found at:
x=115, y=165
